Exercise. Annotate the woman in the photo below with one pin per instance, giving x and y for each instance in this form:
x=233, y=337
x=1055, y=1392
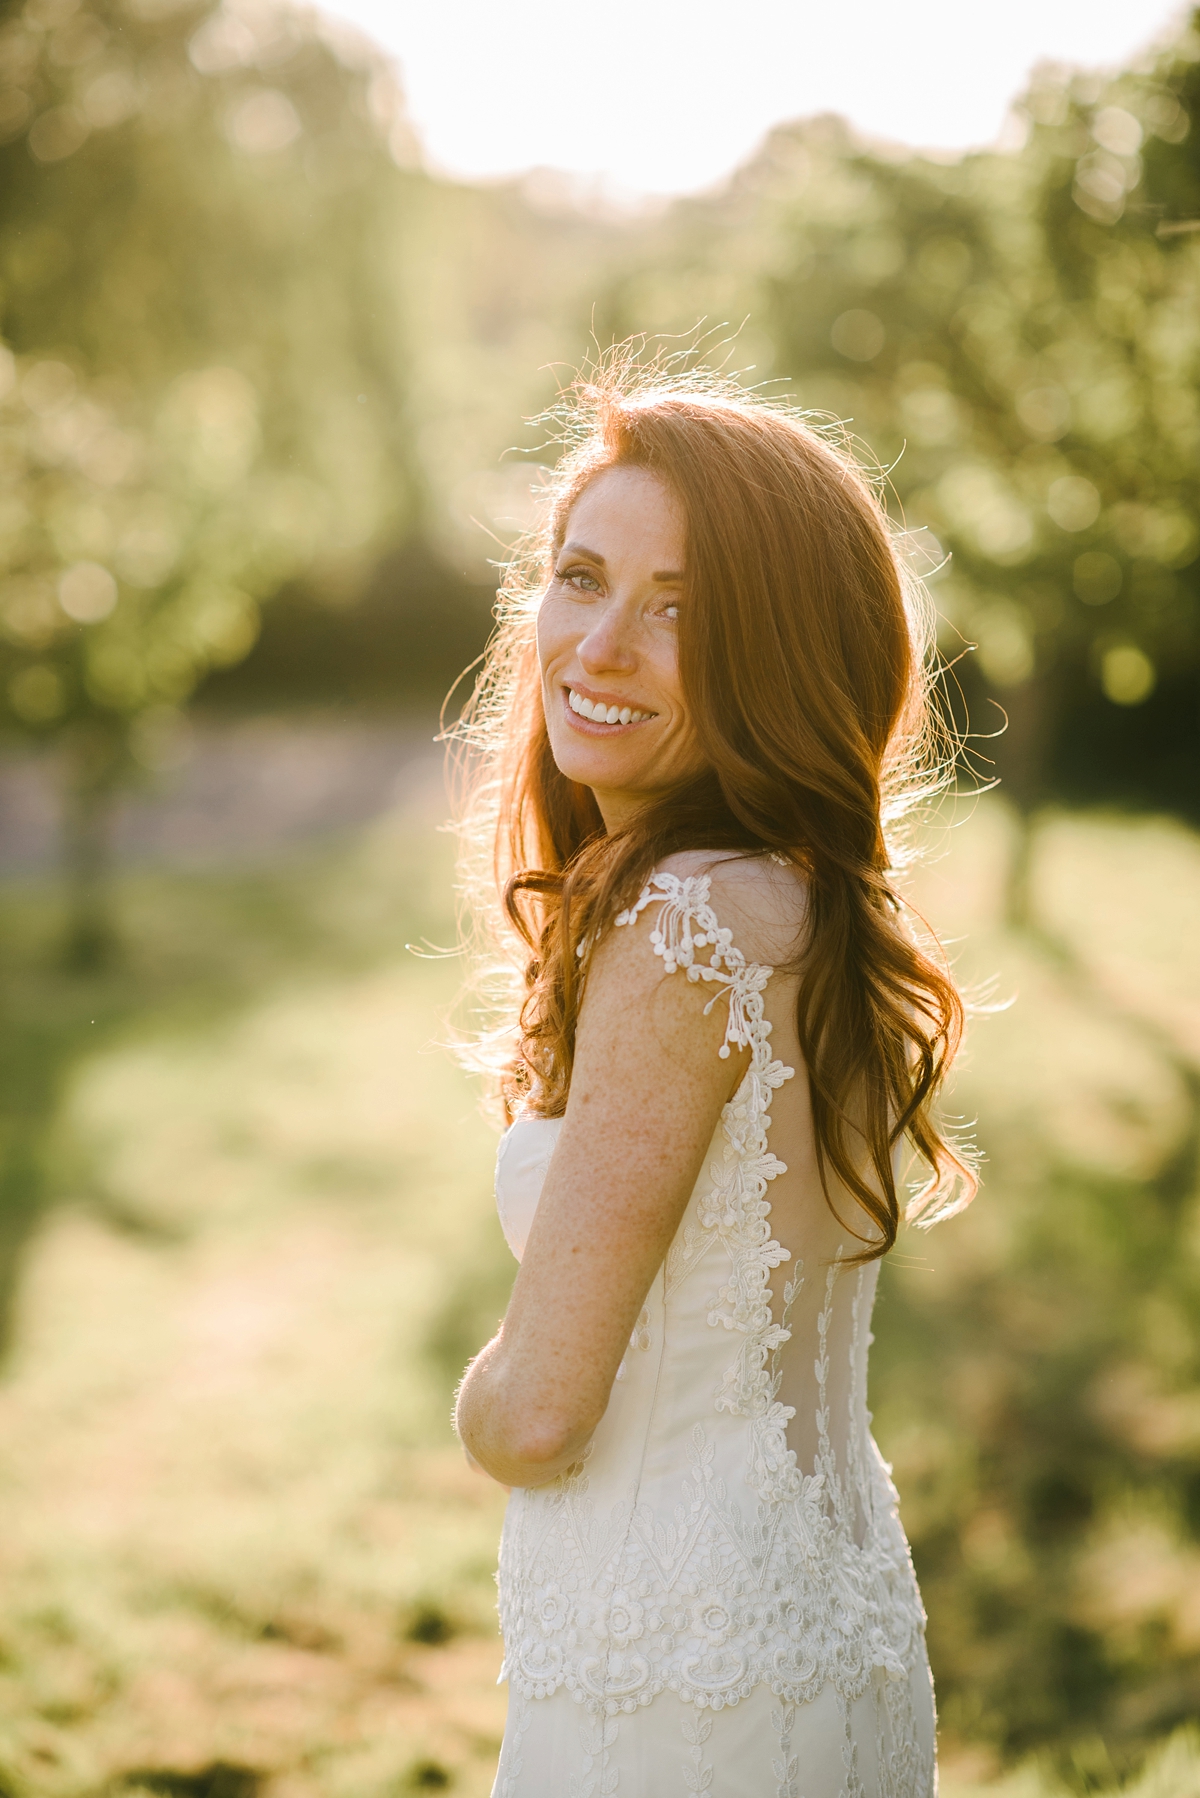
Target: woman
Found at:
x=695, y=720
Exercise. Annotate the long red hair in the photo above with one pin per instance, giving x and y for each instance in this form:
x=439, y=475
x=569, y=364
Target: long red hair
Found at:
x=806, y=670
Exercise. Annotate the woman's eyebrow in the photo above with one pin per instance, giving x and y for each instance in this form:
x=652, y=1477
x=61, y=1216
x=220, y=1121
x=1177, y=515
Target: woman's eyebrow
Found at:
x=580, y=549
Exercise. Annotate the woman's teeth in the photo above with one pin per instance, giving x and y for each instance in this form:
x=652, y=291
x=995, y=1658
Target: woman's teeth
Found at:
x=604, y=714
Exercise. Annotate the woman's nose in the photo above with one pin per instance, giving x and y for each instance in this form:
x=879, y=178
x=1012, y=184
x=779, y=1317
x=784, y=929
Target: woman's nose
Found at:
x=610, y=643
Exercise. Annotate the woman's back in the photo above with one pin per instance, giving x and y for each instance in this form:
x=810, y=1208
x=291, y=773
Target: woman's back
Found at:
x=730, y=1537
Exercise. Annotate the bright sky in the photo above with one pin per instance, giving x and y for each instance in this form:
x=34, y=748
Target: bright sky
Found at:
x=667, y=96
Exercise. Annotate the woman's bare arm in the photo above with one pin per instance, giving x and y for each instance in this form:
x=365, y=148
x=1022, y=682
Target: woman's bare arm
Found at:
x=647, y=1088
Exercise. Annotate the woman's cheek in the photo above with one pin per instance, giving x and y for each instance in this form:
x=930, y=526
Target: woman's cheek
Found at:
x=553, y=633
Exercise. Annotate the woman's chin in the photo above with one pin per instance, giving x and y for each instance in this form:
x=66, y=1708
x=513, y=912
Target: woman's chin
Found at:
x=606, y=788
x=591, y=764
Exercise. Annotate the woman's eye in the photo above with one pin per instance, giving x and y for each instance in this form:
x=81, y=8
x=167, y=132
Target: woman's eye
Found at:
x=581, y=578
x=669, y=609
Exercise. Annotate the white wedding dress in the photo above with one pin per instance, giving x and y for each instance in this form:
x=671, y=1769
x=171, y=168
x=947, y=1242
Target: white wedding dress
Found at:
x=719, y=1600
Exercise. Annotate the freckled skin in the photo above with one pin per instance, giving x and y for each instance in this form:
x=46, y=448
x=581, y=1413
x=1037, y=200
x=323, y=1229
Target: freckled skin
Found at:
x=647, y=1089
x=648, y=1082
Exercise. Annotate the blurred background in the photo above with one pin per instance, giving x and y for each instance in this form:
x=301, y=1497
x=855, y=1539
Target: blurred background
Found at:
x=270, y=333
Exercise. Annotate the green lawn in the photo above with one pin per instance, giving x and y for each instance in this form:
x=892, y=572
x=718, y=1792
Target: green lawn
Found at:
x=247, y=1239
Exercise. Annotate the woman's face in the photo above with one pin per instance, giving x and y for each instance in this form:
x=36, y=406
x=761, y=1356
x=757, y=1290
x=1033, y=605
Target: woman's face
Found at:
x=606, y=635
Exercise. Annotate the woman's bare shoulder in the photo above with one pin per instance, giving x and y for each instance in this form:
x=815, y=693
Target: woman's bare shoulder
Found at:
x=761, y=900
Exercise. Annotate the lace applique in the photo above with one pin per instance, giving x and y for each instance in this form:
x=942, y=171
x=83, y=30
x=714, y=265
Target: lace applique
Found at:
x=785, y=1769
x=508, y=1773
x=685, y=903
x=697, y=1775
x=620, y=1605
x=736, y=1209
x=596, y=1779
x=641, y=1339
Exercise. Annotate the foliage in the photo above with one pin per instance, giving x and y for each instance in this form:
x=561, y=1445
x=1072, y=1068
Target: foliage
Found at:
x=194, y=529
x=1016, y=337
x=202, y=408
x=201, y=245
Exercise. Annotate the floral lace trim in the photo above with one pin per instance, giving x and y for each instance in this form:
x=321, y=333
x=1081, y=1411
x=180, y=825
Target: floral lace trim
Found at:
x=685, y=903
x=737, y=1208
x=621, y=1606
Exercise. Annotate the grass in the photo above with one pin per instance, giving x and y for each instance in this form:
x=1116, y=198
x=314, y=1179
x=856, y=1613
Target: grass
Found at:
x=1038, y=1359
x=249, y=1240
x=238, y=1530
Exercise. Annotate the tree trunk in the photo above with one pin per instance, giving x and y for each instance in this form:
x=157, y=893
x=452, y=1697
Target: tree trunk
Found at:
x=1020, y=756
x=93, y=767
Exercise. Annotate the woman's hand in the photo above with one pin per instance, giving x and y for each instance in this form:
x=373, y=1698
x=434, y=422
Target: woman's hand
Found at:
x=647, y=1089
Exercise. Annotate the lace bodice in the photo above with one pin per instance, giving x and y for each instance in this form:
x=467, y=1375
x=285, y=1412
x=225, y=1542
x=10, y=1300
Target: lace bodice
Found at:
x=715, y=1537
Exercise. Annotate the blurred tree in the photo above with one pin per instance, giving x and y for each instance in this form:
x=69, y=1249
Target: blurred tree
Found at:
x=1016, y=336
x=200, y=222
x=132, y=555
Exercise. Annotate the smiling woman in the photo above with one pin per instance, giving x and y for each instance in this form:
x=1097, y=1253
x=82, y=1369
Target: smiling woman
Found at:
x=691, y=723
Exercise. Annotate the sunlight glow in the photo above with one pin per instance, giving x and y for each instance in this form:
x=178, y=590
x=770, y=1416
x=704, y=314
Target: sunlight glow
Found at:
x=651, y=96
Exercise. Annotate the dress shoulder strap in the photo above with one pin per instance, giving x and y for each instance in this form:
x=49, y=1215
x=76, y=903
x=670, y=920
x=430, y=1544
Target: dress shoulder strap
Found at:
x=686, y=924
x=736, y=1208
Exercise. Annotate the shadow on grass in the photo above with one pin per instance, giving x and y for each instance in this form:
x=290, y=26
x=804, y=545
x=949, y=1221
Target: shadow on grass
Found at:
x=221, y=1779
